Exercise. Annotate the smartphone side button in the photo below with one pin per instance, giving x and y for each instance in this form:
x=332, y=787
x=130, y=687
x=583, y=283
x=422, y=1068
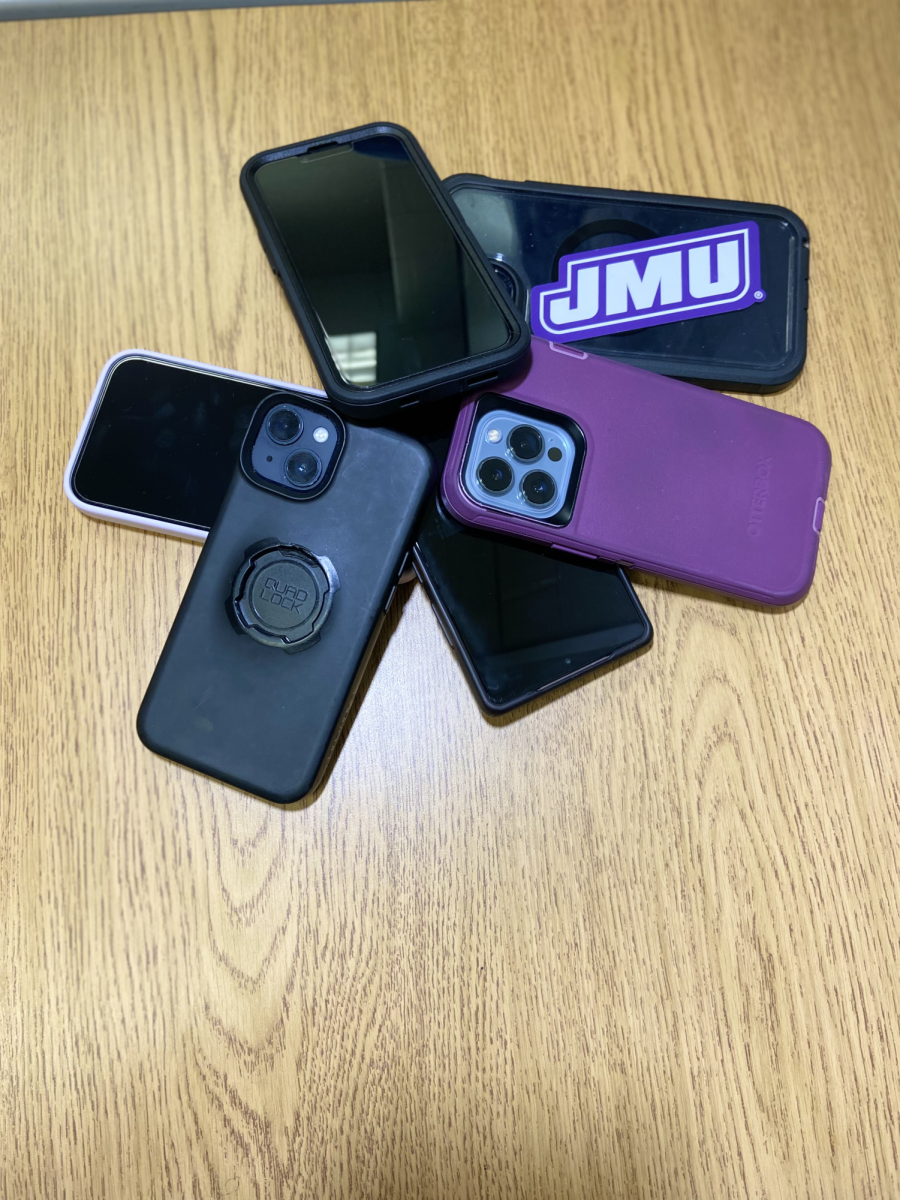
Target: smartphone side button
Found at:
x=444, y=630
x=568, y=350
x=407, y=572
x=479, y=382
x=391, y=594
x=577, y=553
x=269, y=258
x=818, y=515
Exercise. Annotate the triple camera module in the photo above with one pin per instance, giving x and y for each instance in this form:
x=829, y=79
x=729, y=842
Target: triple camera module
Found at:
x=525, y=444
x=295, y=448
x=519, y=465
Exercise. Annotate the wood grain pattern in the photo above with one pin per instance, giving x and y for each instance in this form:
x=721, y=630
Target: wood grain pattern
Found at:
x=639, y=940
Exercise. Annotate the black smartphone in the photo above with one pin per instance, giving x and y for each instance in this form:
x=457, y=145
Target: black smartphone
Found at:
x=521, y=620
x=286, y=600
x=395, y=300
x=527, y=230
x=157, y=450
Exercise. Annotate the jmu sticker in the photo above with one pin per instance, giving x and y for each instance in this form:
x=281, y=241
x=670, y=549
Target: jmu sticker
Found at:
x=650, y=283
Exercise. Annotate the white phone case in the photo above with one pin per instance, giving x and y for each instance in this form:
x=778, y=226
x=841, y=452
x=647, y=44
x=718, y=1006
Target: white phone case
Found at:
x=173, y=529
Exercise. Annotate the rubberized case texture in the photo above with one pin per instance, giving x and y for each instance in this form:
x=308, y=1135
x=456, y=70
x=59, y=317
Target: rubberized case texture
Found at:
x=676, y=479
x=525, y=228
x=255, y=716
x=378, y=400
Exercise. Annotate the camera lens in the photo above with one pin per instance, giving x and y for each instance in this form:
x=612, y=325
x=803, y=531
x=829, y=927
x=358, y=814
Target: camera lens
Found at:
x=508, y=280
x=303, y=469
x=538, y=488
x=284, y=425
x=495, y=474
x=526, y=443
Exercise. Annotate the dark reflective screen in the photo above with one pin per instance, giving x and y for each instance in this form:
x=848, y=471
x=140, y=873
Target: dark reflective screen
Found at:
x=394, y=290
x=528, y=617
x=532, y=228
x=165, y=441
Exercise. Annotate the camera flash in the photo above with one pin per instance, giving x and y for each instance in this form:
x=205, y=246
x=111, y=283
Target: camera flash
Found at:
x=494, y=435
x=320, y=434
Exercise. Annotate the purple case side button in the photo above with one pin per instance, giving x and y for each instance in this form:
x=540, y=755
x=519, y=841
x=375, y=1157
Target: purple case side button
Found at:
x=818, y=515
x=569, y=350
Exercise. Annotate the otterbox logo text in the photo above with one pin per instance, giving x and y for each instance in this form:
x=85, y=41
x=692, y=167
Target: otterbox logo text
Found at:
x=650, y=283
x=760, y=495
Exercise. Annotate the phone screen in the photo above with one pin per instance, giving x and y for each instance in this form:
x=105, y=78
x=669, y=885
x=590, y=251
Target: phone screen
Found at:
x=527, y=618
x=393, y=288
x=164, y=441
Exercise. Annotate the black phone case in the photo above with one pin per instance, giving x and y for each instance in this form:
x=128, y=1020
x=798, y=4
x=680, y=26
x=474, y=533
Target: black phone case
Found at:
x=524, y=229
x=371, y=402
x=255, y=716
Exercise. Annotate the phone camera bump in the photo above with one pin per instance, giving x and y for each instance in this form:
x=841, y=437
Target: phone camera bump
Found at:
x=284, y=424
x=509, y=280
x=525, y=443
x=303, y=469
x=538, y=488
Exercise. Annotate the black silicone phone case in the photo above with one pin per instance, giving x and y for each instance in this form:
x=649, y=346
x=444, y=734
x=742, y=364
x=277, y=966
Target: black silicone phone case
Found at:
x=525, y=228
x=378, y=400
x=256, y=716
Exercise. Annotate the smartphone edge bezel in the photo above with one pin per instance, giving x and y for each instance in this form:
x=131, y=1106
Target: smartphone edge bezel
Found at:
x=432, y=384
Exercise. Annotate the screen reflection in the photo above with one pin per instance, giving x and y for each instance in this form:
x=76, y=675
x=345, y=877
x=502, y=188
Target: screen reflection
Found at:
x=528, y=617
x=394, y=290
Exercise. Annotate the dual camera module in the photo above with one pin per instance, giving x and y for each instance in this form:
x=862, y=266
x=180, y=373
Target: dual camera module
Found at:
x=526, y=445
x=302, y=468
x=293, y=446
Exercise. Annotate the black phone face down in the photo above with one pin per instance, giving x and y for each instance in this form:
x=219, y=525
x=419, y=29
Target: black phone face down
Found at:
x=163, y=445
x=286, y=599
x=392, y=294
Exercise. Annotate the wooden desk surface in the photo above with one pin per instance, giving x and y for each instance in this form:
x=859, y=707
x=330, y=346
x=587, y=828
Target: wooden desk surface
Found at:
x=637, y=941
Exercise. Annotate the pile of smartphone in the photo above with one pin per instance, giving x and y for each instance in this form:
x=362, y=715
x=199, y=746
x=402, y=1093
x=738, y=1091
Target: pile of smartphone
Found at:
x=559, y=464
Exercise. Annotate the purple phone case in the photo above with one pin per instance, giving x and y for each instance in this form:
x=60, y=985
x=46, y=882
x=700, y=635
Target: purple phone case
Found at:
x=676, y=479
